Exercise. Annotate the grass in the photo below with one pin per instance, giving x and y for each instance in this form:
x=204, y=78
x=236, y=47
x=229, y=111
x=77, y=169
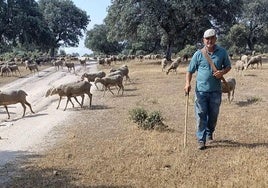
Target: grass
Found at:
x=104, y=148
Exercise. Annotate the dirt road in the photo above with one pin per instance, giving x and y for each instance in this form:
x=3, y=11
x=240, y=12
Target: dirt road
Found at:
x=20, y=136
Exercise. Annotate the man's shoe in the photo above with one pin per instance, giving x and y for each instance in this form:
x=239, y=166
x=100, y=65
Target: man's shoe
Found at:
x=201, y=145
x=209, y=140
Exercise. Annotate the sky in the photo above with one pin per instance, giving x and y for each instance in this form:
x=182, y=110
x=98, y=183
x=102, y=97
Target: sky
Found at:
x=96, y=9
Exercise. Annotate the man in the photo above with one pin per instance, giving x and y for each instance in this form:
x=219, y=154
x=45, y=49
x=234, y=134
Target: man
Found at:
x=208, y=85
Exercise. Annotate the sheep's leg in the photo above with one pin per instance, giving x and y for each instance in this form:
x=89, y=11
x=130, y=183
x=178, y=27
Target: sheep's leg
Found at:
x=96, y=86
x=167, y=71
x=68, y=99
x=77, y=101
x=232, y=96
x=59, y=102
x=73, y=103
x=28, y=104
x=7, y=112
x=24, y=109
x=90, y=98
x=82, y=101
x=229, y=95
x=110, y=90
x=127, y=78
x=122, y=89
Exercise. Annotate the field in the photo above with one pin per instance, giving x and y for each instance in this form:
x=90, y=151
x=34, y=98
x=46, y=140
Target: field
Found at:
x=102, y=147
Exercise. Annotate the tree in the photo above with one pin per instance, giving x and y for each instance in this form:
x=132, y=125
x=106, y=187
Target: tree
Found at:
x=180, y=22
x=22, y=24
x=235, y=40
x=66, y=21
x=255, y=19
x=96, y=40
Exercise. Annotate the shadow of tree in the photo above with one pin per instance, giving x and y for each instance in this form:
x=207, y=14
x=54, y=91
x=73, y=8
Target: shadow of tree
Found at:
x=23, y=174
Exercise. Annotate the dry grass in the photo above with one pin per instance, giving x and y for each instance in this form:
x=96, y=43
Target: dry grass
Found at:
x=103, y=148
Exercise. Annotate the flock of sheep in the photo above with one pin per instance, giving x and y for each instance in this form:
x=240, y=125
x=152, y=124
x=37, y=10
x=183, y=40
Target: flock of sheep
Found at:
x=113, y=78
x=71, y=90
x=229, y=87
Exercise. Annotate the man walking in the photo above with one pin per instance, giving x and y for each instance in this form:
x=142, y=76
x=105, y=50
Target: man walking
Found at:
x=208, y=85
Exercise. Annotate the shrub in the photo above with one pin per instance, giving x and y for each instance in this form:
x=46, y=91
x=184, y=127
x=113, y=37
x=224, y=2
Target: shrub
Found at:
x=138, y=115
x=148, y=122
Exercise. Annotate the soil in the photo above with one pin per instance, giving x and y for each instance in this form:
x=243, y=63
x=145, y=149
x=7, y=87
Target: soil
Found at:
x=102, y=147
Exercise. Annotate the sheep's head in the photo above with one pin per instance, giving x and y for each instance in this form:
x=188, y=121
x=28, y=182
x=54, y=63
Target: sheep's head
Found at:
x=54, y=91
x=48, y=93
x=83, y=76
x=97, y=80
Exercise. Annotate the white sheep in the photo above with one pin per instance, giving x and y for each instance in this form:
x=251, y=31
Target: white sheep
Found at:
x=57, y=64
x=229, y=87
x=73, y=89
x=244, y=58
x=255, y=60
x=108, y=81
x=164, y=63
x=31, y=66
x=123, y=69
x=54, y=91
x=70, y=66
x=174, y=65
x=93, y=75
x=14, y=69
x=14, y=97
x=240, y=66
x=83, y=62
x=5, y=70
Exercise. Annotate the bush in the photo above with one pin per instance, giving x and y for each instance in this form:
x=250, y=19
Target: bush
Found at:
x=138, y=115
x=148, y=122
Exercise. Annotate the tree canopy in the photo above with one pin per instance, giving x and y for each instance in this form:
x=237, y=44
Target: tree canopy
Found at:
x=96, y=40
x=176, y=22
x=44, y=25
x=65, y=21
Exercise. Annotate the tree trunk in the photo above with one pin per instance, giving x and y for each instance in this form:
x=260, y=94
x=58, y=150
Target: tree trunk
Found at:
x=168, y=52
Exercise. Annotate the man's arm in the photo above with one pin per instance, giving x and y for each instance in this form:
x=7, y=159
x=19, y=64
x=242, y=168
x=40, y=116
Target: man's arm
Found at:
x=188, y=79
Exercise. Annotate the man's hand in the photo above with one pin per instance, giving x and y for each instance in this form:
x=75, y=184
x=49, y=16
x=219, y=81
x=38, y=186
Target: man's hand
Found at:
x=187, y=89
x=218, y=74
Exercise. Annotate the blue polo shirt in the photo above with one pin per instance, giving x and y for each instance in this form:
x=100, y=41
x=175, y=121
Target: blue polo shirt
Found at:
x=205, y=81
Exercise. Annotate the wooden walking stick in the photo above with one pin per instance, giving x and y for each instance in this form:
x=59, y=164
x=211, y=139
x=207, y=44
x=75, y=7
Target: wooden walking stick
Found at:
x=186, y=118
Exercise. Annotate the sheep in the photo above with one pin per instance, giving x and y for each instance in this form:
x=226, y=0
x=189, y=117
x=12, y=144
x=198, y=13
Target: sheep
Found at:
x=14, y=97
x=70, y=66
x=123, y=69
x=101, y=61
x=240, y=66
x=53, y=91
x=91, y=76
x=31, y=66
x=57, y=64
x=164, y=63
x=255, y=60
x=14, y=68
x=108, y=81
x=229, y=87
x=244, y=58
x=73, y=89
x=83, y=62
x=5, y=70
x=174, y=65
x=108, y=61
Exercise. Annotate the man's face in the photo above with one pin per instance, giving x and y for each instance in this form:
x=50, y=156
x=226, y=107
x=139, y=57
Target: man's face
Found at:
x=210, y=41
